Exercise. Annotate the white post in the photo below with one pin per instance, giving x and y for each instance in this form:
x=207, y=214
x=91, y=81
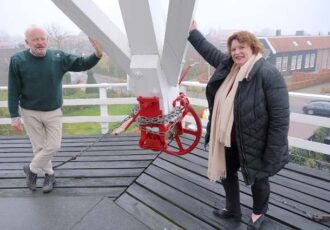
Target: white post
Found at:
x=104, y=110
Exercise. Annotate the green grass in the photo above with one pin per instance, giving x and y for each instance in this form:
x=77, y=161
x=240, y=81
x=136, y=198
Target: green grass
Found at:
x=81, y=128
x=94, y=128
x=120, y=109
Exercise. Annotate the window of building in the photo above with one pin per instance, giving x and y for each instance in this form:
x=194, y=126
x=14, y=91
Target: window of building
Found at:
x=307, y=61
x=293, y=62
x=299, y=61
x=312, y=61
x=309, y=43
x=324, y=59
x=284, y=64
x=295, y=43
x=279, y=63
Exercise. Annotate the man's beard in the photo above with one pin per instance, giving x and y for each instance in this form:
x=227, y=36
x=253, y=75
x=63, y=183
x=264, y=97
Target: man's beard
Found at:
x=39, y=52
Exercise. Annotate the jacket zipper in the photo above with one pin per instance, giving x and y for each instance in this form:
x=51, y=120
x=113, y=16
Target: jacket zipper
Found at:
x=240, y=136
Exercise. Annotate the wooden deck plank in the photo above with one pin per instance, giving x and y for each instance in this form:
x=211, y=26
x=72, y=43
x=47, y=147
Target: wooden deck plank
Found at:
x=178, y=216
x=172, y=191
x=87, y=165
x=317, y=183
x=285, y=185
x=111, y=192
x=64, y=153
x=145, y=214
x=192, y=206
x=86, y=173
x=84, y=158
x=297, y=185
x=73, y=149
x=76, y=144
x=73, y=182
x=294, y=195
x=203, y=195
x=246, y=200
x=281, y=185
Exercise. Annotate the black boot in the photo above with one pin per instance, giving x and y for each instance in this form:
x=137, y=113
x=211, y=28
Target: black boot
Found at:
x=31, y=178
x=225, y=214
x=257, y=224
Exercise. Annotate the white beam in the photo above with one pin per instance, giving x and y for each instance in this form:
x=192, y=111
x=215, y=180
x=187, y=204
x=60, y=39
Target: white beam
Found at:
x=309, y=145
x=139, y=27
x=90, y=19
x=179, y=18
x=310, y=119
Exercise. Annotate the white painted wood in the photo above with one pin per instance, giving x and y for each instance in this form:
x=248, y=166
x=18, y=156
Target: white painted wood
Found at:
x=310, y=119
x=104, y=111
x=310, y=96
x=293, y=141
x=179, y=17
x=145, y=28
x=90, y=19
x=139, y=27
x=197, y=101
x=309, y=145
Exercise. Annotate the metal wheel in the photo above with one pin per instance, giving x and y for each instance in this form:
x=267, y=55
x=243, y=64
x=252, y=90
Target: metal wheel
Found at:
x=175, y=143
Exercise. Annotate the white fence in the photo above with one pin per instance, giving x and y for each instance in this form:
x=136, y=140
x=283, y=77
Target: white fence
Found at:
x=104, y=118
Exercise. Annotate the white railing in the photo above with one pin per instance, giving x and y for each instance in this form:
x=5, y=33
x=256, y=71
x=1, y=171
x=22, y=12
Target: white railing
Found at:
x=103, y=101
x=104, y=118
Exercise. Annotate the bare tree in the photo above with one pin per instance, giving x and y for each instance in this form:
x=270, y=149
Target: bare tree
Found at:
x=56, y=35
x=4, y=36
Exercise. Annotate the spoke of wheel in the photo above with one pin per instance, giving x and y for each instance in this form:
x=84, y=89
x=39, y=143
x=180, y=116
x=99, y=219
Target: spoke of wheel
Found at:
x=177, y=138
x=191, y=132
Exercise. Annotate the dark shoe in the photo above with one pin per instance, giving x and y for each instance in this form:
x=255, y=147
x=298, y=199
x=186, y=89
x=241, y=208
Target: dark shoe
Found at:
x=225, y=214
x=31, y=178
x=255, y=225
x=48, y=183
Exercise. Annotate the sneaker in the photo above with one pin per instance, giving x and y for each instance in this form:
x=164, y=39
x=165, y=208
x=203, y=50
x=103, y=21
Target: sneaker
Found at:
x=31, y=178
x=225, y=214
x=48, y=183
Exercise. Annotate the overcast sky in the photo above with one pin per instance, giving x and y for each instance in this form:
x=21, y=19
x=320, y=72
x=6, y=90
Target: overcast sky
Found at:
x=312, y=16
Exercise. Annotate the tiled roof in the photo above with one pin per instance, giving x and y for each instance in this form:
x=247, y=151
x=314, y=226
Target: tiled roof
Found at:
x=299, y=43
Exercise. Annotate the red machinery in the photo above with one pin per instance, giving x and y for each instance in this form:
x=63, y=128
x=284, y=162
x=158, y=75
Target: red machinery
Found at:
x=158, y=130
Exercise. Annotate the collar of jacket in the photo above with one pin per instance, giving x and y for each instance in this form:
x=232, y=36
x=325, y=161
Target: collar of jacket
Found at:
x=255, y=68
x=224, y=64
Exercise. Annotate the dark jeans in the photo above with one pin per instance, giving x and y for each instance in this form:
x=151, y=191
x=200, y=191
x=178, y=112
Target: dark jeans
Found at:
x=260, y=189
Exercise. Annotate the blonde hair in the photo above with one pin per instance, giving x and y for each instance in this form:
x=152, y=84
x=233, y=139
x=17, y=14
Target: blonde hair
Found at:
x=248, y=38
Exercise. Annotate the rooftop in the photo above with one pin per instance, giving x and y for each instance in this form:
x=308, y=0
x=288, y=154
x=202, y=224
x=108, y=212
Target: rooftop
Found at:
x=299, y=43
x=113, y=184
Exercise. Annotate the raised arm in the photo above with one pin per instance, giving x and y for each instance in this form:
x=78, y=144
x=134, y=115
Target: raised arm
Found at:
x=207, y=50
x=97, y=47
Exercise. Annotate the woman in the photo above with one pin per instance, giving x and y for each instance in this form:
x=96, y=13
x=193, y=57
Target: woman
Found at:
x=248, y=122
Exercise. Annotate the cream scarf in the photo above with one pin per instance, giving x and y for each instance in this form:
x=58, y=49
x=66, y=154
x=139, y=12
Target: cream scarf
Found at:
x=223, y=117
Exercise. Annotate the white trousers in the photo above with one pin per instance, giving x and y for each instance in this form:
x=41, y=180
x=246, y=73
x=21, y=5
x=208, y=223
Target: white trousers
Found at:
x=45, y=132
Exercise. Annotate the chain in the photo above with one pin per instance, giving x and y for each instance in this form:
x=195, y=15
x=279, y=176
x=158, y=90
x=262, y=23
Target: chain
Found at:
x=141, y=121
x=172, y=118
x=82, y=151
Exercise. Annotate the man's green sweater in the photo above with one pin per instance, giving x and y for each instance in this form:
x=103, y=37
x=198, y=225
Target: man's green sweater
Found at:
x=35, y=83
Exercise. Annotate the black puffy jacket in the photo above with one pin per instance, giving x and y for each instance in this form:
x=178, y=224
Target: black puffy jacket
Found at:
x=261, y=111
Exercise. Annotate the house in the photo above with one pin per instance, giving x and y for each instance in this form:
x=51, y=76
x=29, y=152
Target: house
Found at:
x=298, y=53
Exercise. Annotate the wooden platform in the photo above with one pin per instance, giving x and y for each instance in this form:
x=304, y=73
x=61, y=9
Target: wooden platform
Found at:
x=164, y=192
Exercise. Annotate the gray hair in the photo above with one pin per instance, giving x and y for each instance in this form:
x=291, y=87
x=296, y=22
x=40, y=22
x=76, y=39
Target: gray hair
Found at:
x=32, y=27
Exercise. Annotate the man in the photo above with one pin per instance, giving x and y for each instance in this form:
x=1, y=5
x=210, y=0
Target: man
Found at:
x=35, y=94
